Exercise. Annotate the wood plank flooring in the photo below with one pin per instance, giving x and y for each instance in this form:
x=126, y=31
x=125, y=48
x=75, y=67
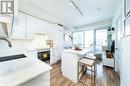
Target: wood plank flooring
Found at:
x=105, y=77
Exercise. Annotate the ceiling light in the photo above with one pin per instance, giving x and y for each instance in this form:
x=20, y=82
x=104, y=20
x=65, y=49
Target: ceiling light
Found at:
x=77, y=8
x=70, y=3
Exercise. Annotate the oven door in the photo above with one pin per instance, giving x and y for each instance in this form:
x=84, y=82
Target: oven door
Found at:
x=44, y=55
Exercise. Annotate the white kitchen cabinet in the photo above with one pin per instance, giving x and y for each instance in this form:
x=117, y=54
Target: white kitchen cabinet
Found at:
x=20, y=29
x=54, y=55
x=107, y=61
x=55, y=33
x=69, y=66
x=60, y=40
x=40, y=26
x=35, y=25
x=69, y=63
x=30, y=27
x=51, y=31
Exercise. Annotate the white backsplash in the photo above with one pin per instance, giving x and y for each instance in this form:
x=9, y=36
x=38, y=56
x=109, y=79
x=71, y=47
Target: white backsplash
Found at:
x=19, y=47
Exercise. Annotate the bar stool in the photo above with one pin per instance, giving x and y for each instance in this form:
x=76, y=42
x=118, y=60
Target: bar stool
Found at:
x=90, y=56
x=85, y=63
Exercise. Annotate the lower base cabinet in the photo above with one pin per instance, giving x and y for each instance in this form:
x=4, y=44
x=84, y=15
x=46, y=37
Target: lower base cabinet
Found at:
x=107, y=61
x=54, y=55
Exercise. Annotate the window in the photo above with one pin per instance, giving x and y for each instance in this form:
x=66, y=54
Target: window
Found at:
x=92, y=39
x=101, y=39
x=78, y=39
x=89, y=39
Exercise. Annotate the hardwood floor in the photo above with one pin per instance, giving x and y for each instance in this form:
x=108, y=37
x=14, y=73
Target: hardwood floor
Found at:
x=105, y=77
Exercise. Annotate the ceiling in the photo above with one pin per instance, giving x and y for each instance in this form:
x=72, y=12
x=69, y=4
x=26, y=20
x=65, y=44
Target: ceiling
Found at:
x=93, y=10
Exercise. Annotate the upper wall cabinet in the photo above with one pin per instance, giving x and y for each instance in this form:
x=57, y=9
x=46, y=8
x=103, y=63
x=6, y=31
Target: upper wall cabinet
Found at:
x=40, y=26
x=55, y=33
x=30, y=26
x=27, y=27
x=19, y=32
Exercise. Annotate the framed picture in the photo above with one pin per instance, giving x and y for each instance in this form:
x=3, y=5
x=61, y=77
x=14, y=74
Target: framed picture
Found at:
x=127, y=7
x=127, y=26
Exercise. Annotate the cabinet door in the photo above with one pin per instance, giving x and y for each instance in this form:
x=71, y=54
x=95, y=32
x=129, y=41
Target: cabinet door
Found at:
x=35, y=25
x=69, y=65
x=53, y=55
x=40, y=26
x=30, y=26
x=51, y=32
x=59, y=39
x=20, y=29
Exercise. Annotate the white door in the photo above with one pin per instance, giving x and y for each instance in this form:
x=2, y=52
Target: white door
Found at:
x=118, y=45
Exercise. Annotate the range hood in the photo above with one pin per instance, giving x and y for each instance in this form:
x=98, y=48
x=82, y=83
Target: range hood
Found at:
x=6, y=26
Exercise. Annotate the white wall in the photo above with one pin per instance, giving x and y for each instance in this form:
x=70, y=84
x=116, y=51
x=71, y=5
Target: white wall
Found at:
x=69, y=42
x=97, y=25
x=118, y=14
x=119, y=59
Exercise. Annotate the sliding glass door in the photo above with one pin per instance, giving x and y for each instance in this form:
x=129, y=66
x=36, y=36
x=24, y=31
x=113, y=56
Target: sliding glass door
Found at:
x=101, y=39
x=92, y=39
x=89, y=39
x=78, y=38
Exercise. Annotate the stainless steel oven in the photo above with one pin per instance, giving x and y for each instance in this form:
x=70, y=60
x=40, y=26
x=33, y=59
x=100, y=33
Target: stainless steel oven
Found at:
x=44, y=55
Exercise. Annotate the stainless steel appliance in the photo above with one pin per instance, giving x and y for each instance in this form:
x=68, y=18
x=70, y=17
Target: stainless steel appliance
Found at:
x=44, y=55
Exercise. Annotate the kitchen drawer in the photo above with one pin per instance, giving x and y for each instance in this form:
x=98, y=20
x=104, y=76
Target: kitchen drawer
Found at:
x=54, y=49
x=108, y=62
x=53, y=56
x=53, y=60
x=53, y=52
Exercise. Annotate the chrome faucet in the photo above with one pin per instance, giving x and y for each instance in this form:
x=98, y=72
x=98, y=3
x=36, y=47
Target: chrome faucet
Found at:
x=7, y=40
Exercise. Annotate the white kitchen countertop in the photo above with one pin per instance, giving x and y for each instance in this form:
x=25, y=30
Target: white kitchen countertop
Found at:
x=22, y=70
x=82, y=52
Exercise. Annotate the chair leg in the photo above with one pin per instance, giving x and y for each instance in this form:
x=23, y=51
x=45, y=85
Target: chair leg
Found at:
x=95, y=74
x=91, y=76
x=92, y=72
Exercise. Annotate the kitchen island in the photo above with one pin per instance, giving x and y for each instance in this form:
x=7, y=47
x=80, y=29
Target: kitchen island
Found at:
x=69, y=63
